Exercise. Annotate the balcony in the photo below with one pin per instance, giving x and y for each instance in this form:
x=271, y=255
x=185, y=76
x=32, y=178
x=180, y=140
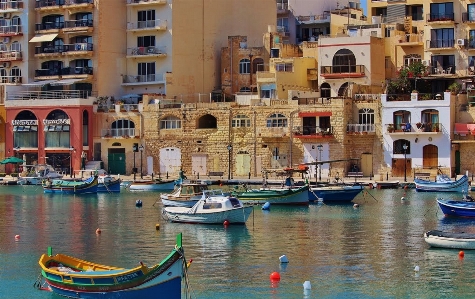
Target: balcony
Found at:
x=441, y=44
x=312, y=74
x=49, y=4
x=11, y=30
x=10, y=79
x=145, y=2
x=410, y=40
x=312, y=132
x=342, y=71
x=441, y=70
x=143, y=79
x=118, y=133
x=78, y=4
x=147, y=25
x=467, y=18
x=443, y=18
x=414, y=128
x=66, y=71
x=67, y=49
x=78, y=25
x=144, y=52
x=362, y=129
x=11, y=6
x=49, y=27
x=367, y=97
x=282, y=8
x=265, y=77
x=48, y=95
x=10, y=56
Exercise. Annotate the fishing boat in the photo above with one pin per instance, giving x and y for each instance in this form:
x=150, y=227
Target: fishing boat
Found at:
x=186, y=194
x=75, y=278
x=275, y=196
x=334, y=193
x=88, y=185
x=437, y=238
x=108, y=183
x=442, y=184
x=36, y=174
x=461, y=208
x=212, y=208
x=155, y=185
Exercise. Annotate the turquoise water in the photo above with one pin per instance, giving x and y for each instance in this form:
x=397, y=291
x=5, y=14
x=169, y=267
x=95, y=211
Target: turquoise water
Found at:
x=345, y=252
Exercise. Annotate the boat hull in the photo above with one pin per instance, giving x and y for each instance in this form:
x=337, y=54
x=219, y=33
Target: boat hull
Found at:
x=188, y=203
x=276, y=197
x=152, y=186
x=436, y=238
x=235, y=216
x=68, y=187
x=336, y=194
x=461, y=185
x=111, y=186
x=457, y=208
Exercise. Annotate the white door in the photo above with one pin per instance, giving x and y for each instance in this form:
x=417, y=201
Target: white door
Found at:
x=170, y=161
x=198, y=164
x=312, y=154
x=149, y=165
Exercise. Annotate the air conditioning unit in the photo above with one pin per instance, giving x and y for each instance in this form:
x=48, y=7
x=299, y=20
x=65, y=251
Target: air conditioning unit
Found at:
x=460, y=42
x=5, y=64
x=426, y=62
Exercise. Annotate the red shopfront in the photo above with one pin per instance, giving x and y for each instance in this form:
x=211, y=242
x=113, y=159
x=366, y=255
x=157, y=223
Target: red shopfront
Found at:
x=49, y=135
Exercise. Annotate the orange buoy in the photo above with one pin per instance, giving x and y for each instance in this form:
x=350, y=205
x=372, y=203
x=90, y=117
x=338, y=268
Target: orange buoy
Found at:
x=226, y=223
x=275, y=276
x=17, y=237
x=98, y=231
x=461, y=254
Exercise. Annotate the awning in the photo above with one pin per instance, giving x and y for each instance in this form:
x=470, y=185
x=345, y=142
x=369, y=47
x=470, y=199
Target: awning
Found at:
x=319, y=113
x=39, y=83
x=268, y=86
x=464, y=129
x=43, y=38
x=66, y=82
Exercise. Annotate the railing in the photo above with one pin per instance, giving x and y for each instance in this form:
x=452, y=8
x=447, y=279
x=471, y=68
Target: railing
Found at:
x=64, y=71
x=146, y=51
x=75, y=2
x=315, y=101
x=367, y=97
x=360, y=128
x=49, y=26
x=441, y=17
x=48, y=3
x=11, y=5
x=440, y=43
x=47, y=95
x=468, y=18
x=442, y=70
x=112, y=133
x=142, y=78
x=64, y=48
x=10, y=55
x=282, y=6
x=312, y=130
x=410, y=38
x=12, y=29
x=147, y=24
x=10, y=79
x=78, y=23
x=430, y=97
x=343, y=69
x=414, y=127
x=146, y=1
x=398, y=97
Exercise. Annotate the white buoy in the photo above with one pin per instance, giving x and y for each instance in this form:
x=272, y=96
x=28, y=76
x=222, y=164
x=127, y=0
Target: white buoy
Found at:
x=416, y=269
x=403, y=198
x=356, y=205
x=307, y=285
x=283, y=259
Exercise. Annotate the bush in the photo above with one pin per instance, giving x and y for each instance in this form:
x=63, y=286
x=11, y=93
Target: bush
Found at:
x=2, y=174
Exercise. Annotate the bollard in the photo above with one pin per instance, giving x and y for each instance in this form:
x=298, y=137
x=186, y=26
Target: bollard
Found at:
x=370, y=175
x=387, y=176
x=134, y=176
x=198, y=176
x=249, y=175
x=167, y=175
x=152, y=176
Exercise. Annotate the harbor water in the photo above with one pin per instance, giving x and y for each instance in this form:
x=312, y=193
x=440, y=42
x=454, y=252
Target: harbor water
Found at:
x=370, y=251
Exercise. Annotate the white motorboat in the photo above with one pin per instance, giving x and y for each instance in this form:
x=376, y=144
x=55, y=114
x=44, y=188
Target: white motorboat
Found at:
x=437, y=238
x=187, y=194
x=212, y=208
x=36, y=174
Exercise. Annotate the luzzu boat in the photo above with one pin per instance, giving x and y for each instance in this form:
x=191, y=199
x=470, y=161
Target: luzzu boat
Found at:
x=442, y=184
x=107, y=183
x=75, y=278
x=281, y=196
x=89, y=185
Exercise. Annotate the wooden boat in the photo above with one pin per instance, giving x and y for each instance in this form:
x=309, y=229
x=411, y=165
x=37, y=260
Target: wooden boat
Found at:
x=386, y=185
x=437, y=238
x=107, y=183
x=156, y=185
x=36, y=174
x=70, y=186
x=460, y=185
x=275, y=196
x=334, y=193
x=75, y=278
x=210, y=209
x=461, y=208
x=186, y=194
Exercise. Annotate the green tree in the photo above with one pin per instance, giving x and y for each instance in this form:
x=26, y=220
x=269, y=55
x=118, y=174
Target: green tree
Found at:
x=406, y=78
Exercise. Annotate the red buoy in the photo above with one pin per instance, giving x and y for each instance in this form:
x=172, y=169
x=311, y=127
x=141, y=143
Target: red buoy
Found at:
x=226, y=223
x=98, y=231
x=275, y=276
x=461, y=254
x=17, y=237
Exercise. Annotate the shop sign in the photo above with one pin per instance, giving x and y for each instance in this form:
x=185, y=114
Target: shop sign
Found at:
x=20, y=122
x=48, y=122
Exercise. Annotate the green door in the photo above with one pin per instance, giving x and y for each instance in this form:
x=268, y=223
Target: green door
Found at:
x=116, y=162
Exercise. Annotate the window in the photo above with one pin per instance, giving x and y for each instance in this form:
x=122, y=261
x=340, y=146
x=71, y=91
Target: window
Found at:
x=276, y=120
x=470, y=12
x=57, y=129
x=146, y=18
x=366, y=116
x=344, y=61
x=52, y=22
x=244, y=66
x=283, y=24
x=146, y=72
x=146, y=41
x=26, y=135
x=398, y=147
x=170, y=122
x=240, y=121
x=284, y=67
x=441, y=11
x=257, y=65
x=411, y=58
x=123, y=127
x=471, y=39
x=282, y=4
x=15, y=75
x=442, y=38
x=417, y=12
x=16, y=47
x=400, y=118
x=443, y=62
x=430, y=116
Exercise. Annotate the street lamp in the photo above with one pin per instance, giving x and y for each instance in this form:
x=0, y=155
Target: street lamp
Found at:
x=135, y=148
x=71, y=149
x=141, y=152
x=320, y=149
x=230, y=148
x=16, y=150
x=404, y=147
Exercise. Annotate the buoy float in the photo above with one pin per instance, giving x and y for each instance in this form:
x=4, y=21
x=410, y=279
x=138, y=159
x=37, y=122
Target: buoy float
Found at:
x=283, y=259
x=17, y=237
x=138, y=203
x=416, y=269
x=403, y=198
x=98, y=231
x=356, y=205
x=266, y=206
x=157, y=226
x=275, y=276
x=307, y=285
x=226, y=223
x=461, y=254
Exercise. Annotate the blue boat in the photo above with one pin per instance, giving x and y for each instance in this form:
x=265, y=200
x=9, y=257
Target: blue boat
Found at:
x=109, y=184
x=334, y=193
x=70, y=186
x=442, y=184
x=460, y=208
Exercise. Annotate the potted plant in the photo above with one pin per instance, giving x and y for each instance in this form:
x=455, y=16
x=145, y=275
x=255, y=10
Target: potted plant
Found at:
x=419, y=125
x=455, y=87
x=390, y=128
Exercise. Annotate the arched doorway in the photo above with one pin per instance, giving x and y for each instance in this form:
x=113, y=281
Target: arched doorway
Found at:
x=430, y=156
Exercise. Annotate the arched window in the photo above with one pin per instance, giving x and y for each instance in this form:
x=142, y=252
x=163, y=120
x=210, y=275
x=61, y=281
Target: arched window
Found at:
x=398, y=147
x=123, y=128
x=276, y=120
x=240, y=121
x=244, y=66
x=325, y=90
x=3, y=76
x=343, y=90
x=366, y=116
x=245, y=89
x=56, y=127
x=25, y=130
x=344, y=61
x=430, y=119
x=15, y=47
x=16, y=23
x=207, y=122
x=15, y=75
x=401, y=118
x=170, y=122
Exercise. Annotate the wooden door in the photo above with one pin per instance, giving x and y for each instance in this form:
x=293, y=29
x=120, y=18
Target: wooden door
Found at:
x=398, y=167
x=430, y=156
x=367, y=164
